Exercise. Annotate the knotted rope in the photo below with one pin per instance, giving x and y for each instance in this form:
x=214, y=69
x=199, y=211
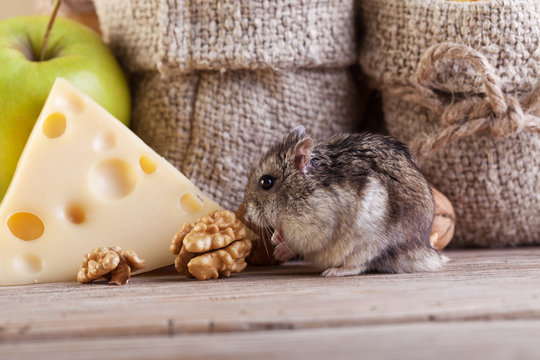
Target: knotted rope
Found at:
x=496, y=112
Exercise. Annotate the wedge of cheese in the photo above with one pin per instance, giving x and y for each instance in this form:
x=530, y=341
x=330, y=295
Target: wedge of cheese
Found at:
x=83, y=181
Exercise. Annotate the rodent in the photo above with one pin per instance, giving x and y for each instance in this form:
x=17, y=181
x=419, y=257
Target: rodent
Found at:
x=352, y=204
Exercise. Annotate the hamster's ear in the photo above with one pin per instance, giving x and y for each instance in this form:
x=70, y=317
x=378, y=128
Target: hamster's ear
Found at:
x=298, y=132
x=301, y=154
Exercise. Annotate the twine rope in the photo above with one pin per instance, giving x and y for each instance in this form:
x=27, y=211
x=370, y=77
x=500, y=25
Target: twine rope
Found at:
x=496, y=113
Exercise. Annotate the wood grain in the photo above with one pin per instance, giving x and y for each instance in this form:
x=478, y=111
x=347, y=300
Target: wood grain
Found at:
x=478, y=288
x=500, y=340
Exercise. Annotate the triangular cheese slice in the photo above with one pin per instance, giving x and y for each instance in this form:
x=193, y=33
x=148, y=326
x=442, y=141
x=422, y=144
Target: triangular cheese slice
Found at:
x=83, y=181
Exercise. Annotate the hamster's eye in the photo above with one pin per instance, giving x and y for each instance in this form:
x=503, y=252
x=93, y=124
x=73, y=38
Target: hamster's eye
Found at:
x=266, y=182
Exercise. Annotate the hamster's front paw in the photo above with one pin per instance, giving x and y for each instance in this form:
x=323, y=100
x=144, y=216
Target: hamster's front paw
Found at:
x=282, y=252
x=277, y=237
x=341, y=271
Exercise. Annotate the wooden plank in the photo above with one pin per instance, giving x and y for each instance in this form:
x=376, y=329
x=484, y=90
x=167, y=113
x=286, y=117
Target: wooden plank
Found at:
x=476, y=285
x=458, y=340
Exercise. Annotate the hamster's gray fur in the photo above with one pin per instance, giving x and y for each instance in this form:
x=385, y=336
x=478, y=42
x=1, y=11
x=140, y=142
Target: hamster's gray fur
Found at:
x=352, y=204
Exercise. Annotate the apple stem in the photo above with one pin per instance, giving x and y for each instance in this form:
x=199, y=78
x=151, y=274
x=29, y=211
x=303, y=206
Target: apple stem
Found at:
x=43, y=48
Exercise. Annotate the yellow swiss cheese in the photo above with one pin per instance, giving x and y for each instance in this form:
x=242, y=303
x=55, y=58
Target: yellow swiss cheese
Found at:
x=83, y=181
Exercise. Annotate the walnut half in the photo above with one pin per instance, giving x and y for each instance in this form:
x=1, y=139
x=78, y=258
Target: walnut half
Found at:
x=111, y=263
x=221, y=262
x=215, y=246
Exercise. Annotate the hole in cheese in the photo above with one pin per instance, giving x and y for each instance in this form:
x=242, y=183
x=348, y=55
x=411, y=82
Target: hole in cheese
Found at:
x=112, y=179
x=28, y=264
x=147, y=165
x=25, y=226
x=104, y=142
x=54, y=125
x=75, y=213
x=70, y=102
x=190, y=203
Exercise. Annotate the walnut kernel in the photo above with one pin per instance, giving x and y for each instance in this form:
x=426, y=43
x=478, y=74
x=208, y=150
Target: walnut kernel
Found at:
x=112, y=263
x=214, y=231
x=221, y=262
x=215, y=246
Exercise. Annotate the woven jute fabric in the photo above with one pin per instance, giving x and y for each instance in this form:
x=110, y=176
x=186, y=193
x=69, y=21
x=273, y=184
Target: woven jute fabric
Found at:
x=181, y=36
x=459, y=83
x=218, y=82
x=68, y=7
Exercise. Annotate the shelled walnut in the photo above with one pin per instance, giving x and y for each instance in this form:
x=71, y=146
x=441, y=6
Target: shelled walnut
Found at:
x=111, y=263
x=444, y=222
x=215, y=246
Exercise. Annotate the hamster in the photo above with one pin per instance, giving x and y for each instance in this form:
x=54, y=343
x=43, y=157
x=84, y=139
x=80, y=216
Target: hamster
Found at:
x=355, y=203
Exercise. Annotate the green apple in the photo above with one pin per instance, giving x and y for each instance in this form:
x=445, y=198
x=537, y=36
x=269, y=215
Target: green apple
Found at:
x=73, y=52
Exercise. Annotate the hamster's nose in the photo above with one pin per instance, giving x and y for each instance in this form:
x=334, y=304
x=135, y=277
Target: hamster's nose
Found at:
x=248, y=216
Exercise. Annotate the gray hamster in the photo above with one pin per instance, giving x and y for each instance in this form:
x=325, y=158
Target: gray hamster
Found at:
x=352, y=204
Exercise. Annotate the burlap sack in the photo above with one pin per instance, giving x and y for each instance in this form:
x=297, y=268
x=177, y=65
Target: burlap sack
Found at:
x=219, y=81
x=459, y=85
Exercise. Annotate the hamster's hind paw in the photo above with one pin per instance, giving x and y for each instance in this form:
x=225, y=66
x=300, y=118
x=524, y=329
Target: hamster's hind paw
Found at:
x=341, y=271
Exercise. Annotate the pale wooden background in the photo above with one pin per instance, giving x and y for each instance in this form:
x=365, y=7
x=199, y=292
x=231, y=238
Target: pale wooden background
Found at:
x=484, y=305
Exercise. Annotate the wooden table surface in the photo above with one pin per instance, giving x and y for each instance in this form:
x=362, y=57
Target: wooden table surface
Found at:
x=484, y=305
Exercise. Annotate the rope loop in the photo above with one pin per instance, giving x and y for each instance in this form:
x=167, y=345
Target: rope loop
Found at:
x=496, y=113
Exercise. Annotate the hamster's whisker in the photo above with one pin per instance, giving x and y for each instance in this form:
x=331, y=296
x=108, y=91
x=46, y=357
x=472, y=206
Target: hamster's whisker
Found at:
x=267, y=231
x=263, y=239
